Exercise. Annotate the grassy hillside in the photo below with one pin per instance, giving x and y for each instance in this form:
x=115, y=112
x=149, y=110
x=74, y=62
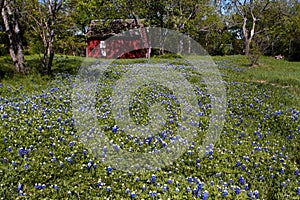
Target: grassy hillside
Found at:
x=43, y=154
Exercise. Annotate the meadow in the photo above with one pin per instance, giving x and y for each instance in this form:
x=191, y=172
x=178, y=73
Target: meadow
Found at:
x=256, y=157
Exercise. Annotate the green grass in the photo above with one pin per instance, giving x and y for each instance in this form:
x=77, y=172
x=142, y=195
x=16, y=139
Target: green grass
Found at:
x=279, y=73
x=269, y=70
x=260, y=110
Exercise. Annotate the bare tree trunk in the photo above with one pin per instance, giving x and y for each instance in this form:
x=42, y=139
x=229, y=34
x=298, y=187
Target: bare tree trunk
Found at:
x=12, y=29
x=19, y=44
x=248, y=38
x=10, y=39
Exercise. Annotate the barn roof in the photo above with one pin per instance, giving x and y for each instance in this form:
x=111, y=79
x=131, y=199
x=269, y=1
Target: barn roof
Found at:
x=107, y=28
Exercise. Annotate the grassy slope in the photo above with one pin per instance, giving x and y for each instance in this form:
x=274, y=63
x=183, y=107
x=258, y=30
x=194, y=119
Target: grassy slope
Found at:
x=234, y=68
x=280, y=73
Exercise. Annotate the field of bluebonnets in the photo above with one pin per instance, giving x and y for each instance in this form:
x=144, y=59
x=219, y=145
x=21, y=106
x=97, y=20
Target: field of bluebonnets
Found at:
x=257, y=156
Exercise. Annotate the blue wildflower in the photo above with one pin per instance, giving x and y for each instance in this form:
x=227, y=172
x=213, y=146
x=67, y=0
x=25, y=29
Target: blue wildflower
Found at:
x=224, y=193
x=20, y=187
x=242, y=180
x=200, y=185
x=153, y=179
x=246, y=187
x=133, y=195
x=115, y=128
x=188, y=189
x=205, y=195
x=296, y=172
x=69, y=160
x=26, y=166
x=56, y=187
x=237, y=190
x=108, y=170
x=250, y=194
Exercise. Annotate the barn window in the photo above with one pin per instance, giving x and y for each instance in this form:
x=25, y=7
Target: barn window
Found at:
x=103, y=48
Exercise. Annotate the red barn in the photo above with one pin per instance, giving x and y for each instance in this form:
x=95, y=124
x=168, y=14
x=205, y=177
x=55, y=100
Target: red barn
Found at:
x=117, y=39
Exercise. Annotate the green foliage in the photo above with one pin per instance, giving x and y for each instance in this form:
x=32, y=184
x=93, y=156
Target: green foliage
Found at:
x=259, y=119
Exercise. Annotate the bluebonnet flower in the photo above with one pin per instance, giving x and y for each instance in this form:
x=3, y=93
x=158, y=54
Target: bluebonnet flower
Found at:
x=283, y=184
x=246, y=187
x=238, y=163
x=237, y=190
x=298, y=191
x=250, y=194
x=243, y=167
x=224, y=193
x=200, y=186
x=56, y=187
x=20, y=187
x=296, y=172
x=133, y=195
x=153, y=194
x=165, y=188
x=177, y=190
x=205, y=195
x=242, y=180
x=256, y=194
x=108, y=189
x=108, y=170
x=153, y=178
x=115, y=128
x=9, y=149
x=188, y=189
x=72, y=143
x=89, y=165
x=144, y=187
x=13, y=163
x=21, y=152
x=69, y=159
x=26, y=166
x=127, y=191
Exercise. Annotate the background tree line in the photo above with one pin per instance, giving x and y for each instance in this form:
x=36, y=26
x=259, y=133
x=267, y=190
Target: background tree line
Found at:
x=250, y=27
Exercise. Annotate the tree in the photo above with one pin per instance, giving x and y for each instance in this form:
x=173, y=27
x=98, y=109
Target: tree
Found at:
x=10, y=16
x=249, y=12
x=43, y=17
